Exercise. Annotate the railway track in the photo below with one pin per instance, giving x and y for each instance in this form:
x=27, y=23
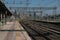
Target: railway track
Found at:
x=41, y=31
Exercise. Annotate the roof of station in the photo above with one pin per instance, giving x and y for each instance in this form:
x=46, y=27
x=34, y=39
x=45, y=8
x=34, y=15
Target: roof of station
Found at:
x=3, y=9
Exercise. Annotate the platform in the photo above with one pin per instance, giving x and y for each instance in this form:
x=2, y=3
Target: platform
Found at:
x=13, y=35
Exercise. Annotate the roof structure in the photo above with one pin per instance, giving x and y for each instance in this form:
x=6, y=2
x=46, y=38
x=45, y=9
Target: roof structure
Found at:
x=4, y=10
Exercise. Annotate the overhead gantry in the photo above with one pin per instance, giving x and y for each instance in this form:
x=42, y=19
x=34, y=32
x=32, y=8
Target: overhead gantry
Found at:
x=33, y=11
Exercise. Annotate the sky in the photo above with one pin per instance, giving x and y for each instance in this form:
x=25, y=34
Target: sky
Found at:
x=34, y=3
